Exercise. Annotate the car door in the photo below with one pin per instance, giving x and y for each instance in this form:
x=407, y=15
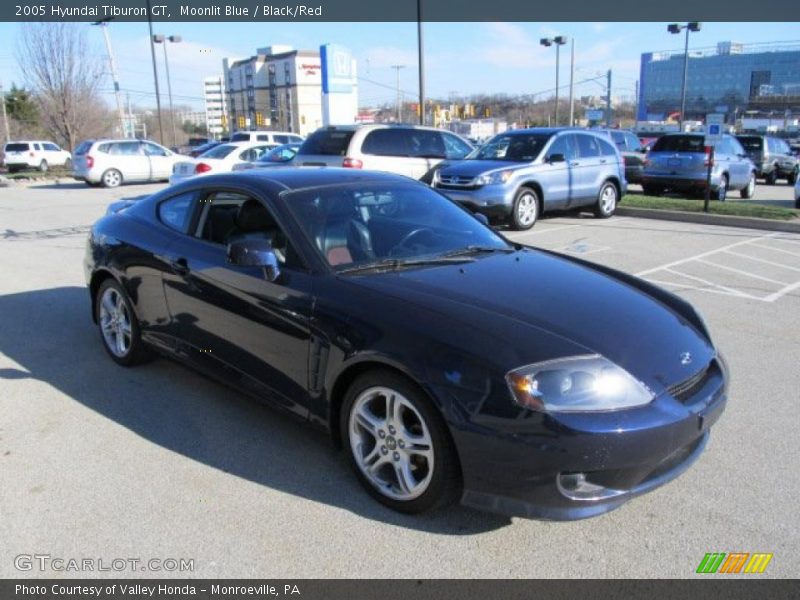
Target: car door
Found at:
x=555, y=176
x=585, y=168
x=427, y=149
x=232, y=321
x=160, y=161
x=389, y=149
x=129, y=159
x=740, y=164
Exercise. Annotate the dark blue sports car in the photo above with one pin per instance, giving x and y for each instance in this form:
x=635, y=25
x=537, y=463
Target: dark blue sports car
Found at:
x=450, y=363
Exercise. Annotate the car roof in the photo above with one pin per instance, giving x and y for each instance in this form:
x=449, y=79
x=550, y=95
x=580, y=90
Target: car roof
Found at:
x=542, y=130
x=296, y=178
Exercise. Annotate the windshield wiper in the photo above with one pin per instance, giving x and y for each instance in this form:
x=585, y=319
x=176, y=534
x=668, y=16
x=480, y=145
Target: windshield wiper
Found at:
x=397, y=263
x=476, y=249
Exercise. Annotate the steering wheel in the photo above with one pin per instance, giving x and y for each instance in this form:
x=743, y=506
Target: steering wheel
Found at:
x=411, y=235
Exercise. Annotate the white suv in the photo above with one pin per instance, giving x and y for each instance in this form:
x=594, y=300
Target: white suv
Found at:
x=277, y=138
x=402, y=149
x=35, y=155
x=111, y=162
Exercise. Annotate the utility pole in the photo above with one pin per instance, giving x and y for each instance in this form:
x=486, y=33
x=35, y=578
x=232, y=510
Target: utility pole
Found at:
x=636, y=104
x=571, y=83
x=421, y=58
x=399, y=101
x=5, y=115
x=608, y=100
x=155, y=72
x=115, y=78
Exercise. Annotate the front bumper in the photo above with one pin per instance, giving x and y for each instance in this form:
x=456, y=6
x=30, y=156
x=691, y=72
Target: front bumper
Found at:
x=531, y=471
x=490, y=200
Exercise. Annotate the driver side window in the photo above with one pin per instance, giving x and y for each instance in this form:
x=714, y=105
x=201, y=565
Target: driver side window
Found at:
x=232, y=216
x=562, y=145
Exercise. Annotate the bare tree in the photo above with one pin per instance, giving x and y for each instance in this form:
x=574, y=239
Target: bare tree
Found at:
x=65, y=76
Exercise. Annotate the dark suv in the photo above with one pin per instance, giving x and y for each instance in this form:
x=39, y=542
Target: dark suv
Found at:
x=630, y=147
x=772, y=157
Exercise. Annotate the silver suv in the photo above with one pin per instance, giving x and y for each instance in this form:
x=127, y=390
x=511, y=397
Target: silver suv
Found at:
x=401, y=149
x=519, y=174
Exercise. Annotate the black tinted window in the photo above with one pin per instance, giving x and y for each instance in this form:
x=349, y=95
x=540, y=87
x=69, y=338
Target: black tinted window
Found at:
x=390, y=142
x=426, y=144
x=262, y=138
x=587, y=146
x=680, y=143
x=176, y=212
x=83, y=148
x=220, y=151
x=240, y=137
x=455, y=147
x=751, y=142
x=329, y=142
x=513, y=147
x=280, y=139
x=16, y=147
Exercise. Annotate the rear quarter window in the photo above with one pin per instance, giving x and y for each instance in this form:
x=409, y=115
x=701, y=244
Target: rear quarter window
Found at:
x=327, y=143
x=240, y=137
x=176, y=212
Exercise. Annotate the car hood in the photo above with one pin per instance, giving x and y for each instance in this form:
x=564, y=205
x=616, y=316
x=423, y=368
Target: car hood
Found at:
x=527, y=297
x=473, y=168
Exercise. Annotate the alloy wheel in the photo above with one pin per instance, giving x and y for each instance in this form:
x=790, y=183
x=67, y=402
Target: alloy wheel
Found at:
x=608, y=199
x=115, y=323
x=112, y=178
x=391, y=443
x=526, y=210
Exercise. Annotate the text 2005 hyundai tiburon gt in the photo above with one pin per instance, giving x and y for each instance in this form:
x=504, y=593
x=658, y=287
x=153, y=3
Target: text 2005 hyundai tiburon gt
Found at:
x=448, y=362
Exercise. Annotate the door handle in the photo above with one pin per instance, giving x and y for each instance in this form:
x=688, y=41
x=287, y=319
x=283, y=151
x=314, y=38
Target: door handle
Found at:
x=604, y=160
x=574, y=163
x=180, y=266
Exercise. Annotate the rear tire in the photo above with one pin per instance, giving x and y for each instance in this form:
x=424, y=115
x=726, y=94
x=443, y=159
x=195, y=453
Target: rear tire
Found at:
x=400, y=449
x=111, y=178
x=119, y=328
x=772, y=177
x=722, y=189
x=606, y=201
x=750, y=189
x=525, y=211
x=792, y=178
x=68, y=164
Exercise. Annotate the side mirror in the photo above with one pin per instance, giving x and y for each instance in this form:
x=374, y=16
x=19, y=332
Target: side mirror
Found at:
x=556, y=158
x=482, y=218
x=255, y=253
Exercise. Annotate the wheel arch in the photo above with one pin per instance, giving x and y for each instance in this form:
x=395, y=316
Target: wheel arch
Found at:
x=97, y=279
x=536, y=187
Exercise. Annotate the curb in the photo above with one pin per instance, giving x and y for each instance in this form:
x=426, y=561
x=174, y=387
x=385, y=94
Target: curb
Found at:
x=709, y=219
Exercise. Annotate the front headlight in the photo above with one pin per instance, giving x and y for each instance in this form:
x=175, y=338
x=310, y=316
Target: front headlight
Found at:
x=576, y=384
x=494, y=177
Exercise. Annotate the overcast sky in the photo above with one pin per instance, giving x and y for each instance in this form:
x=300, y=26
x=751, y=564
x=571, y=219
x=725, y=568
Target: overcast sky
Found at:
x=460, y=58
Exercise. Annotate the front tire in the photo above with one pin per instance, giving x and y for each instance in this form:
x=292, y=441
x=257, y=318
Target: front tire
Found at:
x=43, y=166
x=119, y=328
x=606, y=201
x=525, y=211
x=398, y=444
x=750, y=188
x=722, y=189
x=772, y=176
x=111, y=178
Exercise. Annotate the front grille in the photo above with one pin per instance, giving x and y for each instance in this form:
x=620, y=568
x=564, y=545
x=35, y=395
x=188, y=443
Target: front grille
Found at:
x=449, y=186
x=457, y=180
x=684, y=390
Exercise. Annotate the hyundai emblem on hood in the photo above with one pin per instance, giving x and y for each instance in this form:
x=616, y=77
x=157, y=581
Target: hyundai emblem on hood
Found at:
x=686, y=358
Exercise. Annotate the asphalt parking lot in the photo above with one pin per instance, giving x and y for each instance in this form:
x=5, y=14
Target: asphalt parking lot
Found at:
x=157, y=462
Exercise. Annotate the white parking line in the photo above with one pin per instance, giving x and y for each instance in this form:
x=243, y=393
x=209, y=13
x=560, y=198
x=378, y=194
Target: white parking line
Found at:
x=761, y=260
x=714, y=286
x=783, y=292
x=781, y=250
x=704, y=254
x=745, y=273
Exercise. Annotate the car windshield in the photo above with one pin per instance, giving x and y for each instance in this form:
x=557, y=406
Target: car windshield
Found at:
x=512, y=147
x=219, y=151
x=389, y=225
x=751, y=143
x=680, y=143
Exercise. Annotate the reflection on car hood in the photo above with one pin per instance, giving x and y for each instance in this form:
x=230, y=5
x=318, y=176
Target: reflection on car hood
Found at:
x=519, y=296
x=473, y=168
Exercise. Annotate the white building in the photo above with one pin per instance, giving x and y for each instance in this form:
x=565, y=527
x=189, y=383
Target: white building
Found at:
x=216, y=108
x=278, y=89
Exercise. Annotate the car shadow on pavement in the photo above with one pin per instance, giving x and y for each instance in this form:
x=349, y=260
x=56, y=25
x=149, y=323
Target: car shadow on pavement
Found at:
x=50, y=335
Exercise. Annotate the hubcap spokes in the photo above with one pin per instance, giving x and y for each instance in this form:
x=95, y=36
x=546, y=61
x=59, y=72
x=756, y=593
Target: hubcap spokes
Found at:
x=391, y=443
x=608, y=199
x=115, y=323
x=527, y=210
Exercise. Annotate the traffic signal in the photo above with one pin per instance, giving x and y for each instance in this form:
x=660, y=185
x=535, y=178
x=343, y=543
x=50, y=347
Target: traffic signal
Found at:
x=241, y=122
x=259, y=119
x=223, y=120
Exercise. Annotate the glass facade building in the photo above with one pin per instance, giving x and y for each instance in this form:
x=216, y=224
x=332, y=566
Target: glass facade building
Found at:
x=727, y=79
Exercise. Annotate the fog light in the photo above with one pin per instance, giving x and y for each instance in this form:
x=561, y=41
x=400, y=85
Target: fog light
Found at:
x=575, y=487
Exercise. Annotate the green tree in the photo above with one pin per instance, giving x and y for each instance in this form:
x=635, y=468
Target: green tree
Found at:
x=21, y=106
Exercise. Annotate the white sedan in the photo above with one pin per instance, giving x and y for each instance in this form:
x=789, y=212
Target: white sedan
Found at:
x=220, y=159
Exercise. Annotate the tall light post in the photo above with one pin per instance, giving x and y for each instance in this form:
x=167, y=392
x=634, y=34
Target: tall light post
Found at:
x=421, y=61
x=103, y=24
x=5, y=115
x=399, y=101
x=676, y=28
x=155, y=71
x=162, y=39
x=559, y=41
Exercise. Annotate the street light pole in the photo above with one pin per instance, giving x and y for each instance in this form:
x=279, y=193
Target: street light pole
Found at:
x=421, y=58
x=115, y=78
x=571, y=83
x=558, y=40
x=676, y=28
x=397, y=68
x=5, y=115
x=155, y=72
x=161, y=39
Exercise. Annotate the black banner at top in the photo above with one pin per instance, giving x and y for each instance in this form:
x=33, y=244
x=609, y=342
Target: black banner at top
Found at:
x=389, y=10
